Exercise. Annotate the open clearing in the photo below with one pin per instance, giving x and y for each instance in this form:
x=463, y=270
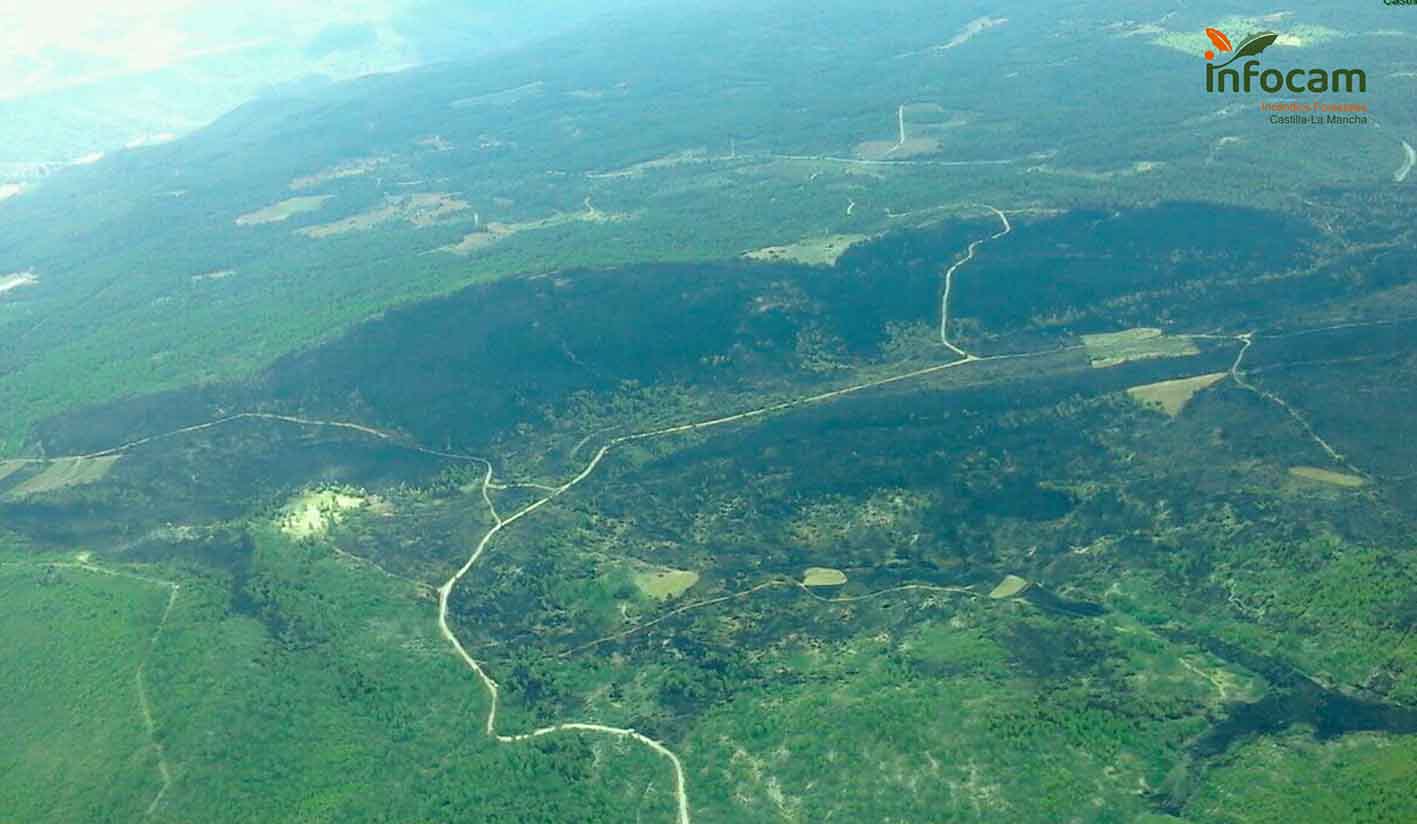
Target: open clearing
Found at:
x=314, y=513
x=1009, y=587
x=17, y=280
x=493, y=233
x=1114, y=348
x=283, y=210
x=666, y=583
x=1296, y=35
x=419, y=210
x=1172, y=396
x=1328, y=476
x=823, y=577
x=66, y=473
x=818, y=251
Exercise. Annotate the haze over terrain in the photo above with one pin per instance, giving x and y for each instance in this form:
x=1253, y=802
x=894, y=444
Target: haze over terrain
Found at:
x=79, y=77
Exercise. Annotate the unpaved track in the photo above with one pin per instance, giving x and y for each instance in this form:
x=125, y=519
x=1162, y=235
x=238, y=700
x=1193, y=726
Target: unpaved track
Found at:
x=140, y=676
x=949, y=282
x=1239, y=376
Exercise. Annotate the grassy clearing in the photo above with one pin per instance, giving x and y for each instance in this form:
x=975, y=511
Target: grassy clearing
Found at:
x=665, y=584
x=315, y=512
x=493, y=233
x=1114, y=348
x=1009, y=587
x=1328, y=476
x=819, y=251
x=823, y=577
x=418, y=210
x=1172, y=396
x=283, y=210
x=75, y=747
x=62, y=474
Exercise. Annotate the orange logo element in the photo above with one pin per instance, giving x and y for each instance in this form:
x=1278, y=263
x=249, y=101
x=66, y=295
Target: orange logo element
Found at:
x=1219, y=39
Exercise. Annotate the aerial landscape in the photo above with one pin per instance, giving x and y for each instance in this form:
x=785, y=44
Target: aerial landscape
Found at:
x=771, y=412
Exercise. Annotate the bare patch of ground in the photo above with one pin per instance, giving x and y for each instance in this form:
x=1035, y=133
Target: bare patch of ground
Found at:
x=1114, y=348
x=823, y=577
x=17, y=280
x=820, y=251
x=1327, y=476
x=220, y=274
x=349, y=168
x=1172, y=396
x=665, y=584
x=424, y=209
x=9, y=190
x=491, y=234
x=283, y=210
x=65, y=473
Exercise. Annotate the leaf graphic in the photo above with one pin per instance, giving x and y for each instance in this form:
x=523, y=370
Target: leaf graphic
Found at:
x=1219, y=39
x=1256, y=43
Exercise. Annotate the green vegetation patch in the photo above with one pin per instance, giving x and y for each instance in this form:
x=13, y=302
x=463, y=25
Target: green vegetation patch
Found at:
x=1358, y=779
x=1142, y=343
x=823, y=577
x=313, y=513
x=1295, y=35
x=1009, y=587
x=61, y=474
x=665, y=584
x=1327, y=476
x=74, y=747
x=418, y=210
x=818, y=251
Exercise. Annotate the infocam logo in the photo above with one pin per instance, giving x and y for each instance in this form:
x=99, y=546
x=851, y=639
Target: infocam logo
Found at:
x=1221, y=79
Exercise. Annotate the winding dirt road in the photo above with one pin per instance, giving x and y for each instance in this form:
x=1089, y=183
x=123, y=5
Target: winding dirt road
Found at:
x=949, y=282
